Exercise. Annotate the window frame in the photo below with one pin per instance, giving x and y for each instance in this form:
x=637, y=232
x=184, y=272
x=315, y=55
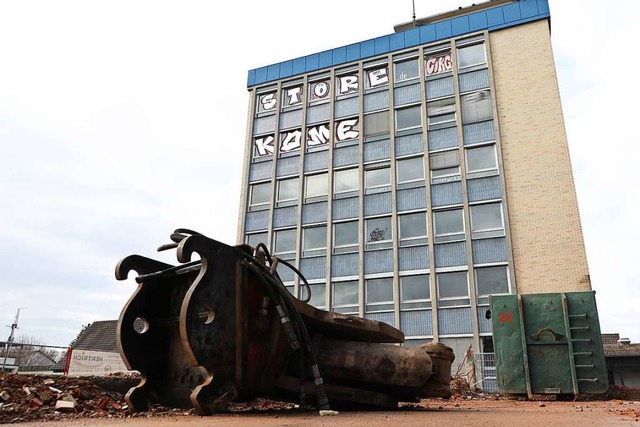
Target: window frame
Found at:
x=314, y=251
x=378, y=306
x=349, y=247
x=480, y=171
x=405, y=160
x=483, y=298
x=483, y=95
x=447, y=108
x=413, y=240
x=450, y=301
x=368, y=188
x=378, y=244
x=345, y=308
x=289, y=201
x=479, y=233
x=288, y=254
x=415, y=303
x=407, y=108
x=349, y=191
x=471, y=45
x=319, y=196
x=247, y=238
x=448, y=236
x=263, y=204
x=396, y=74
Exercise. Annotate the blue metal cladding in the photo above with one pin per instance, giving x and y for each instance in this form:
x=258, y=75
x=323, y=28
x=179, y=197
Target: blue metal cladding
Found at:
x=413, y=258
x=489, y=250
x=442, y=138
x=487, y=188
x=454, y=321
x=313, y=268
x=285, y=217
x=288, y=166
x=446, y=194
x=450, y=254
x=413, y=198
x=474, y=80
x=256, y=221
x=313, y=213
x=315, y=161
x=346, y=107
x=484, y=324
x=416, y=323
x=410, y=144
x=291, y=119
x=495, y=18
x=380, y=261
x=440, y=88
x=285, y=273
x=346, y=156
x=344, y=265
x=375, y=204
x=388, y=318
x=476, y=133
x=264, y=125
x=345, y=208
x=376, y=101
x=259, y=171
x=406, y=95
x=318, y=113
x=377, y=150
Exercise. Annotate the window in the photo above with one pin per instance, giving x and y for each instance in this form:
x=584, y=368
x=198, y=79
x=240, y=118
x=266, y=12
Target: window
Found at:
x=377, y=77
x=376, y=123
x=410, y=170
x=345, y=297
x=345, y=181
x=345, y=237
x=287, y=192
x=491, y=281
x=481, y=159
x=449, y=226
x=347, y=84
x=285, y=243
x=318, y=292
x=408, y=118
x=315, y=186
x=379, y=294
x=255, y=238
x=453, y=289
x=319, y=91
x=292, y=96
x=378, y=233
x=377, y=178
x=314, y=241
x=413, y=229
x=476, y=106
x=406, y=70
x=441, y=113
x=415, y=292
x=260, y=195
x=486, y=220
x=468, y=56
x=445, y=167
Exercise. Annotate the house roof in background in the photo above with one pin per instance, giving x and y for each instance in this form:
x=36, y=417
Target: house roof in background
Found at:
x=99, y=336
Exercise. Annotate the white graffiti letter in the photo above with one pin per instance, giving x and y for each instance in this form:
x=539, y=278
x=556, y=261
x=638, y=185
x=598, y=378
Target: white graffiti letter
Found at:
x=348, y=84
x=321, y=90
x=264, y=145
x=347, y=129
x=269, y=101
x=378, y=77
x=318, y=135
x=291, y=141
x=294, y=95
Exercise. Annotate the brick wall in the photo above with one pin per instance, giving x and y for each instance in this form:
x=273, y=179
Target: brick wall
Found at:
x=548, y=246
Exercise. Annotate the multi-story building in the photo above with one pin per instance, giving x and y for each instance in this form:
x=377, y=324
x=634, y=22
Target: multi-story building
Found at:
x=411, y=176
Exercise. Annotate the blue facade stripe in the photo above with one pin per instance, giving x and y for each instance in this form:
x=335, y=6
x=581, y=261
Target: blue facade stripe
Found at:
x=312, y=62
x=495, y=17
x=492, y=19
x=460, y=25
x=478, y=21
x=427, y=33
x=512, y=12
x=339, y=55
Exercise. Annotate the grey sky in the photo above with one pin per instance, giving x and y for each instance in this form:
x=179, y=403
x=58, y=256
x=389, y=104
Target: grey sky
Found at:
x=123, y=120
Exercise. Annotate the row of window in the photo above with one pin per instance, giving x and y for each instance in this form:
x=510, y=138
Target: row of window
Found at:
x=445, y=166
x=486, y=221
x=375, y=77
x=415, y=292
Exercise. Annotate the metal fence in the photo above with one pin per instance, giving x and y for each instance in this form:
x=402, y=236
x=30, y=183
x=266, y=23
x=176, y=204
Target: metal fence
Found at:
x=31, y=358
x=486, y=372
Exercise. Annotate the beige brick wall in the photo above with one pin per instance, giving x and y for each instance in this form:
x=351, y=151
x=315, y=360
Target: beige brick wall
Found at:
x=546, y=235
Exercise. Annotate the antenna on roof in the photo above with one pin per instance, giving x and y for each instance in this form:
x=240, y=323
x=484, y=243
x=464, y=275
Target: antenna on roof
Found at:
x=414, y=13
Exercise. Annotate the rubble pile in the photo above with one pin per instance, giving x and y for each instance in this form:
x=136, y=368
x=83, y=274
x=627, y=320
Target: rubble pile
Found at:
x=28, y=398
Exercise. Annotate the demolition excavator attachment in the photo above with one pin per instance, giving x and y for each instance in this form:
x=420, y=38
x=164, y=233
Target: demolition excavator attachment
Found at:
x=224, y=328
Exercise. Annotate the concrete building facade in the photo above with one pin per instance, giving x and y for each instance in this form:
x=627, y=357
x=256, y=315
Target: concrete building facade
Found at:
x=411, y=176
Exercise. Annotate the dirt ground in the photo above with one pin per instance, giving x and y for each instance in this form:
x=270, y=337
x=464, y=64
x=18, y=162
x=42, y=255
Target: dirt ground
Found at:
x=431, y=412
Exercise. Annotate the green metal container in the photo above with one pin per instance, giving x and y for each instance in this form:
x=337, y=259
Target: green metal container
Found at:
x=548, y=344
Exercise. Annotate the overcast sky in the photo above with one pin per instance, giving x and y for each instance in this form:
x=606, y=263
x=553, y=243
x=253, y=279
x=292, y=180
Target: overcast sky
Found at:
x=123, y=120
